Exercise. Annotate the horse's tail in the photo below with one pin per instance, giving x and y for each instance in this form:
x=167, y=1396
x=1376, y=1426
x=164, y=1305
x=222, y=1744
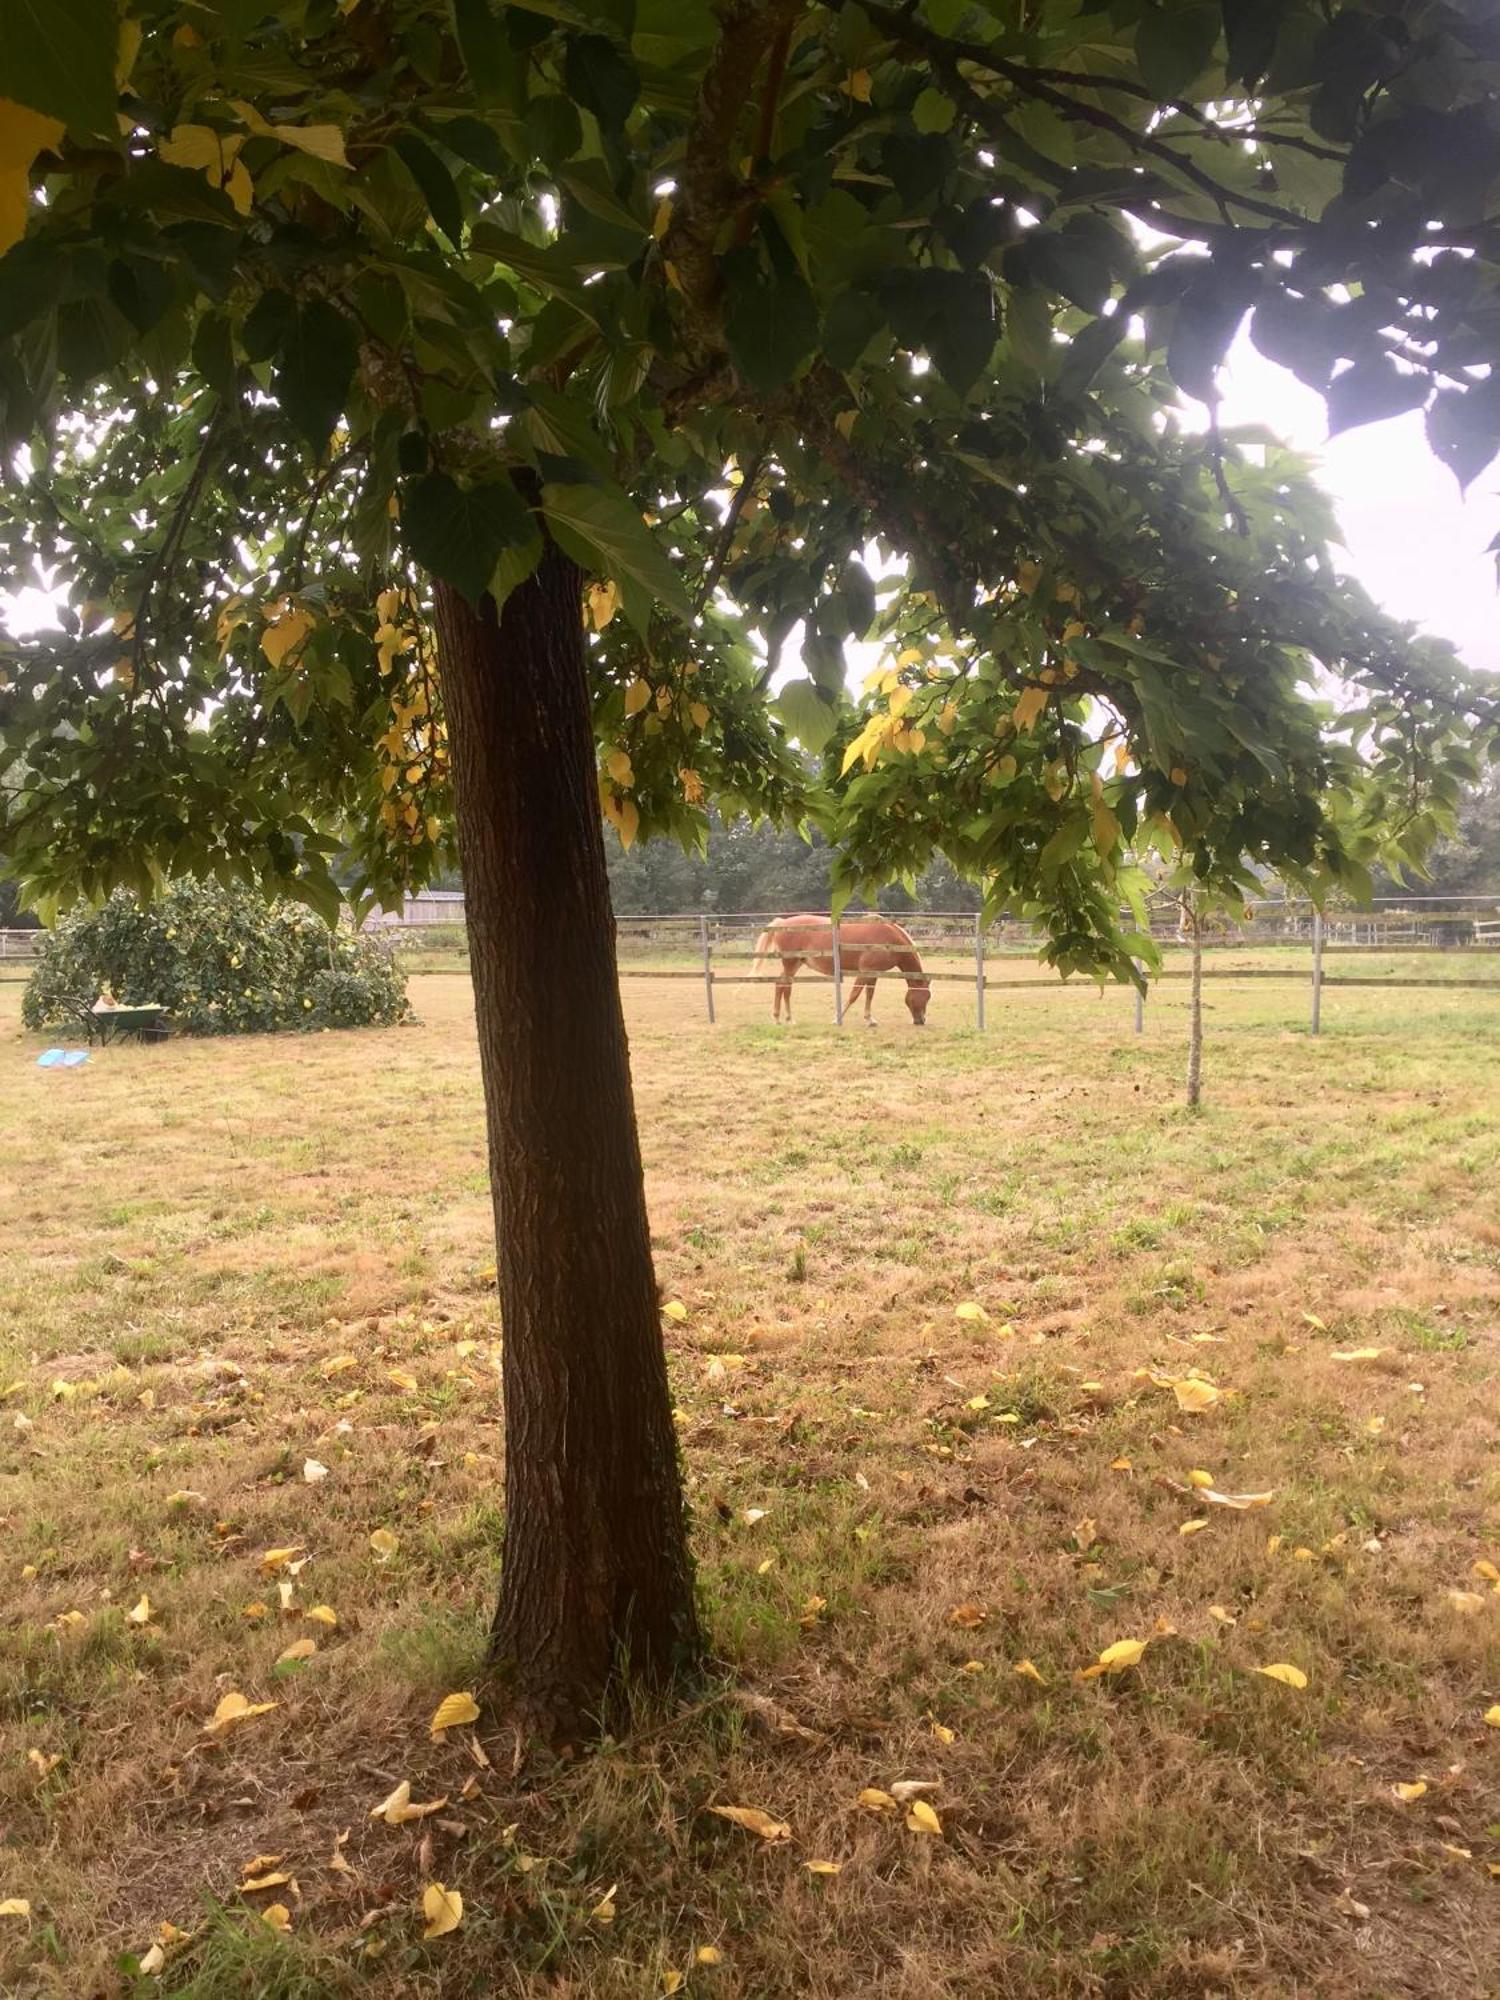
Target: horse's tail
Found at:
x=765, y=947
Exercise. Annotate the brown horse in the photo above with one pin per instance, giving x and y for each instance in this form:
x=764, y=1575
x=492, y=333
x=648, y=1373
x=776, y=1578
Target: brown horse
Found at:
x=868, y=946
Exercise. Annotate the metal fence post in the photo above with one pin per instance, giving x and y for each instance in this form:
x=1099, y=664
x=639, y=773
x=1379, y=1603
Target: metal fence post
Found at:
x=838, y=978
x=979, y=971
x=1317, y=972
x=708, y=970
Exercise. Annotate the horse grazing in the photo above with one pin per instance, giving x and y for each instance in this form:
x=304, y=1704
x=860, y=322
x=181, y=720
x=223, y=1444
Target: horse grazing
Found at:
x=868, y=946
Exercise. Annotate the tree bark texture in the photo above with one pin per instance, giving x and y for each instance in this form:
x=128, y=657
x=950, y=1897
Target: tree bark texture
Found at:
x=596, y=1586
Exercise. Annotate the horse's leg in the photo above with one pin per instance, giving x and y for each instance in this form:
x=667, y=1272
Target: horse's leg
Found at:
x=869, y=986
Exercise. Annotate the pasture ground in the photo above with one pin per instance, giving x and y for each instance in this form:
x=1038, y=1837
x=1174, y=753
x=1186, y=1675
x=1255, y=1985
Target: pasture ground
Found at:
x=224, y=1260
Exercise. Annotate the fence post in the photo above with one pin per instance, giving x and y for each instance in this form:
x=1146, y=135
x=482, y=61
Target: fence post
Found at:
x=1140, y=1004
x=838, y=978
x=1317, y=972
x=979, y=970
x=708, y=970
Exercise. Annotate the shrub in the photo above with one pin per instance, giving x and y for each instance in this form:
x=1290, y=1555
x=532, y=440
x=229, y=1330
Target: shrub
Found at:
x=221, y=959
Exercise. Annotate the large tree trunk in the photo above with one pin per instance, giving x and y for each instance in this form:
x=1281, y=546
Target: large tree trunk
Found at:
x=596, y=1586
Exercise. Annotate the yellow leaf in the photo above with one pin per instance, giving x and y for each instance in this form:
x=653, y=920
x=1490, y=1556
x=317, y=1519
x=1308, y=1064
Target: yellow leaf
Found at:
x=619, y=767
x=969, y=1310
x=1313, y=1320
x=285, y=635
x=200, y=148
x=1358, y=1354
x=127, y=48
x=1116, y=1659
x=240, y=188
x=873, y=1799
x=844, y=423
x=674, y=1309
x=384, y=1543
x=235, y=1708
x=1492, y=1716
x=1120, y=1465
x=1028, y=1670
x=708, y=1954
x=140, y=1612
x=698, y=711
x=324, y=142
x=1194, y=1395
x=43, y=1762
x=753, y=1820
x=921, y=1818
x=15, y=1906
x=443, y=1909
x=671, y=1982
x=857, y=85
x=967, y=1616
x=23, y=134
x=603, y=1911
x=637, y=696
x=942, y=1732
x=1292, y=1677
x=274, y=1559
x=300, y=1649
x=339, y=1364
x=1487, y=1571
x=1220, y=1616
x=1466, y=1601
x=1195, y=1527
x=603, y=602
x=1240, y=1503
x=824, y=1867
x=1409, y=1794
x=453, y=1711
x=1200, y=1479
x=980, y=1402
x=1026, y=711
x=662, y=217
x=401, y=1378
x=1085, y=1533
x=275, y=1880
x=398, y=1808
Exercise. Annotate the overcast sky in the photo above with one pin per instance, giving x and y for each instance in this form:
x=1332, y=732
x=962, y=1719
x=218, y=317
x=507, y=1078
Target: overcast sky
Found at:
x=1418, y=548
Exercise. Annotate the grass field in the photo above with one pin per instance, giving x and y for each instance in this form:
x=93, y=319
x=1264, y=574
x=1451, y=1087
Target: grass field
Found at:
x=227, y=1265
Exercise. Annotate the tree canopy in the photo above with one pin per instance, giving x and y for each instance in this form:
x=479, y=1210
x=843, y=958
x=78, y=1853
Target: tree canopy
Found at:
x=863, y=320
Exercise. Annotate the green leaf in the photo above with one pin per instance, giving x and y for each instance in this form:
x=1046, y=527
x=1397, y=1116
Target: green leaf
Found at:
x=603, y=533
x=934, y=111
x=1207, y=315
x=434, y=182
x=213, y=355
x=771, y=325
x=484, y=48
x=314, y=368
x=1463, y=428
x=58, y=56
x=1369, y=391
x=1173, y=45
x=516, y=563
x=961, y=333
x=602, y=80
x=457, y=533
x=807, y=713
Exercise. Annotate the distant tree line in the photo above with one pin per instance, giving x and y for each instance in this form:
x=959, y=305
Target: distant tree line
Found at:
x=756, y=868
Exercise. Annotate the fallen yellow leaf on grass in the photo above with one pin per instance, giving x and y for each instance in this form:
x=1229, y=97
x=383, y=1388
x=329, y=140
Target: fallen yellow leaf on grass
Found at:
x=235, y=1708
x=1120, y=1465
x=674, y=1309
x=873, y=1799
x=1408, y=1794
x=300, y=1649
x=384, y=1543
x=1492, y=1716
x=452, y=1712
x=1085, y=1533
x=443, y=1909
x=1292, y=1677
x=339, y=1364
x=967, y=1616
x=708, y=1954
x=398, y=1809
x=824, y=1867
x=671, y=1982
x=1467, y=1601
x=603, y=1911
x=15, y=1906
x=140, y=1612
x=1358, y=1354
x=43, y=1761
x=1203, y=1479
x=942, y=1732
x=278, y=1916
x=753, y=1820
x=274, y=1559
x=1487, y=1571
x=400, y=1378
x=1194, y=1527
x=1194, y=1394
x=1241, y=1503
x=970, y=1310
x=1117, y=1659
x=1028, y=1670
x=922, y=1819
x=1220, y=1616
x=253, y=1883
x=322, y=1614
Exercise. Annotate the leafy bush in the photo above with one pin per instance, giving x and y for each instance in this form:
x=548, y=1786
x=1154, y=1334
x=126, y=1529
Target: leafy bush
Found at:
x=221, y=959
